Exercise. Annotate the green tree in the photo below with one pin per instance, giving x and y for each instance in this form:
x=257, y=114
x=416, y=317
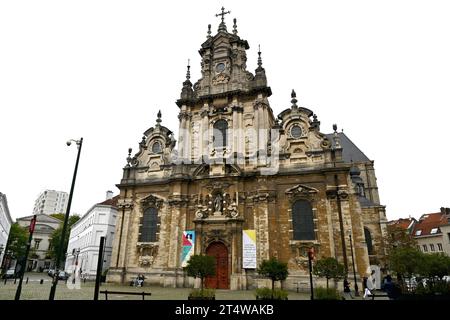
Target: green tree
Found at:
x=17, y=241
x=201, y=266
x=329, y=268
x=396, y=238
x=434, y=265
x=273, y=269
x=406, y=261
x=55, y=240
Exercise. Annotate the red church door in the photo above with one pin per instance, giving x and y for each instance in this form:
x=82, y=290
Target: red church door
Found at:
x=220, y=252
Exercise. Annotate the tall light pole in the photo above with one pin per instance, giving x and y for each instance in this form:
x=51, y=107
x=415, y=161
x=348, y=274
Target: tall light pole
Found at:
x=79, y=144
x=353, y=262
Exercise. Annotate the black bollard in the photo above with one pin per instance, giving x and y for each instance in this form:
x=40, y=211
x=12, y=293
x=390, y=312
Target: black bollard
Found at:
x=42, y=281
x=26, y=282
x=6, y=279
x=15, y=279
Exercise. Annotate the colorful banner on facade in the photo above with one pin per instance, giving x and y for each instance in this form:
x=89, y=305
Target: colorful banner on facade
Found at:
x=188, y=245
x=249, y=249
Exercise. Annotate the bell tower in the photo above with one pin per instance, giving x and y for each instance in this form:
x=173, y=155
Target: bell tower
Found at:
x=228, y=101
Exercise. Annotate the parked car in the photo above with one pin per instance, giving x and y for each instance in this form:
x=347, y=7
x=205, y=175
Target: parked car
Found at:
x=10, y=273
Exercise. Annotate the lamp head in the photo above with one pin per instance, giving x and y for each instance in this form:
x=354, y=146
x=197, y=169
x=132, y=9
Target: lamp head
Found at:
x=69, y=143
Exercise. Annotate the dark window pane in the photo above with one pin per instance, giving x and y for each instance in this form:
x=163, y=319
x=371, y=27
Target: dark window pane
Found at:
x=149, y=225
x=302, y=221
x=368, y=237
x=220, y=133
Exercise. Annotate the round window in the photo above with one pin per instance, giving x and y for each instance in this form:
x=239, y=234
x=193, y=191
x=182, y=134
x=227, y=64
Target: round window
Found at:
x=220, y=67
x=156, y=147
x=296, y=131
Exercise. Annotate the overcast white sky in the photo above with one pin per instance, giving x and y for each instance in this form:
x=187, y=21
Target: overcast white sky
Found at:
x=101, y=70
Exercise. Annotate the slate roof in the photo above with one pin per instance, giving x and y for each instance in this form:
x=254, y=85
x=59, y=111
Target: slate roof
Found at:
x=350, y=152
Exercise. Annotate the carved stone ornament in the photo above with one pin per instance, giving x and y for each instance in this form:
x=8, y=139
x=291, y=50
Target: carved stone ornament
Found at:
x=152, y=201
x=147, y=253
x=125, y=204
x=301, y=190
x=220, y=79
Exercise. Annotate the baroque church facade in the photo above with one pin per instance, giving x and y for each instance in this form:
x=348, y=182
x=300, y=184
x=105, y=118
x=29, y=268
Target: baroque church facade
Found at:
x=236, y=167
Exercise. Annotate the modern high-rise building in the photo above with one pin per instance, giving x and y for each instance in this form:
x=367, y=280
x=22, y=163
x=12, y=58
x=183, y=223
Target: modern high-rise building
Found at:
x=51, y=201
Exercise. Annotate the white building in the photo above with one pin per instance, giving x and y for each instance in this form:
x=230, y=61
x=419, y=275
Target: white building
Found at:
x=5, y=225
x=40, y=259
x=51, y=201
x=84, y=239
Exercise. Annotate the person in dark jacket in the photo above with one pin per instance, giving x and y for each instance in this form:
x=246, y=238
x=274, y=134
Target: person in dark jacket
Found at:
x=347, y=291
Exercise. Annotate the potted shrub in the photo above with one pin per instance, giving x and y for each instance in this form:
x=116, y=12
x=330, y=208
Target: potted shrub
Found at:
x=201, y=266
x=276, y=271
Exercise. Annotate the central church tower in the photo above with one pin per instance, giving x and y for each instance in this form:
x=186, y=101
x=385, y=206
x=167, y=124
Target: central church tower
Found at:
x=239, y=178
x=221, y=114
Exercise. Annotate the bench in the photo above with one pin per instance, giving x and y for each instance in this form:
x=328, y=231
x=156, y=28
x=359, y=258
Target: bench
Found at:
x=378, y=294
x=302, y=285
x=143, y=294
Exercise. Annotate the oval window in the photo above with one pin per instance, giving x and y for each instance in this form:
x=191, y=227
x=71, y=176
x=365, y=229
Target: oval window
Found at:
x=296, y=131
x=156, y=147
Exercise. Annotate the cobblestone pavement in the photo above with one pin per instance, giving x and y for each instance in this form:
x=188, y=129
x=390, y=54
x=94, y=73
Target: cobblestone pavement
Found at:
x=36, y=291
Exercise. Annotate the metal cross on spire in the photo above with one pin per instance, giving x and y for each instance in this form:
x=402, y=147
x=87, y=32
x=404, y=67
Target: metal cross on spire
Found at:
x=223, y=13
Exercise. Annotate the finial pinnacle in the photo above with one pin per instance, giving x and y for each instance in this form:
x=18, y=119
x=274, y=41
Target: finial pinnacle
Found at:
x=294, y=100
x=335, y=128
x=158, y=121
x=188, y=72
x=235, y=26
x=260, y=68
x=209, y=31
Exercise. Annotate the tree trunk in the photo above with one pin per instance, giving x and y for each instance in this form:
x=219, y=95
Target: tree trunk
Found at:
x=273, y=287
x=327, y=285
x=201, y=286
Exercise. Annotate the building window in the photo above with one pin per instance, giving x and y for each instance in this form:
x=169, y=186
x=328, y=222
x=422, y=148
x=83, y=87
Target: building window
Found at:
x=368, y=237
x=440, y=246
x=302, y=221
x=156, y=147
x=432, y=247
x=220, y=129
x=36, y=243
x=434, y=230
x=149, y=225
x=418, y=232
x=425, y=248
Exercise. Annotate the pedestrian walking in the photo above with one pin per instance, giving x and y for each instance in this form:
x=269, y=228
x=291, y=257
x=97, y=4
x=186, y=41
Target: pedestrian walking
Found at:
x=347, y=291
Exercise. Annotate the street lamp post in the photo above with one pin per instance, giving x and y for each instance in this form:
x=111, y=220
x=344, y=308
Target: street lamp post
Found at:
x=353, y=263
x=79, y=144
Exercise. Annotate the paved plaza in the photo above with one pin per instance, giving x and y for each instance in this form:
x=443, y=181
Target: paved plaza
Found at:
x=36, y=291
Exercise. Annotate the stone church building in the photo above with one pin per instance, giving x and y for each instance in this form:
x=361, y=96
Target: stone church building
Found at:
x=236, y=166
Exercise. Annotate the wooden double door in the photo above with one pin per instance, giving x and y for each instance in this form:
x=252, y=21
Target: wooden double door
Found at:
x=221, y=279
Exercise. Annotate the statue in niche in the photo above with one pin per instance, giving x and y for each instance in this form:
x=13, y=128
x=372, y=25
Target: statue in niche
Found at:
x=218, y=203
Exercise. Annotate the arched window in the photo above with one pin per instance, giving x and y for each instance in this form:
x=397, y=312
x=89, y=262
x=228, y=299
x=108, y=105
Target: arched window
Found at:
x=149, y=225
x=368, y=237
x=302, y=221
x=220, y=129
